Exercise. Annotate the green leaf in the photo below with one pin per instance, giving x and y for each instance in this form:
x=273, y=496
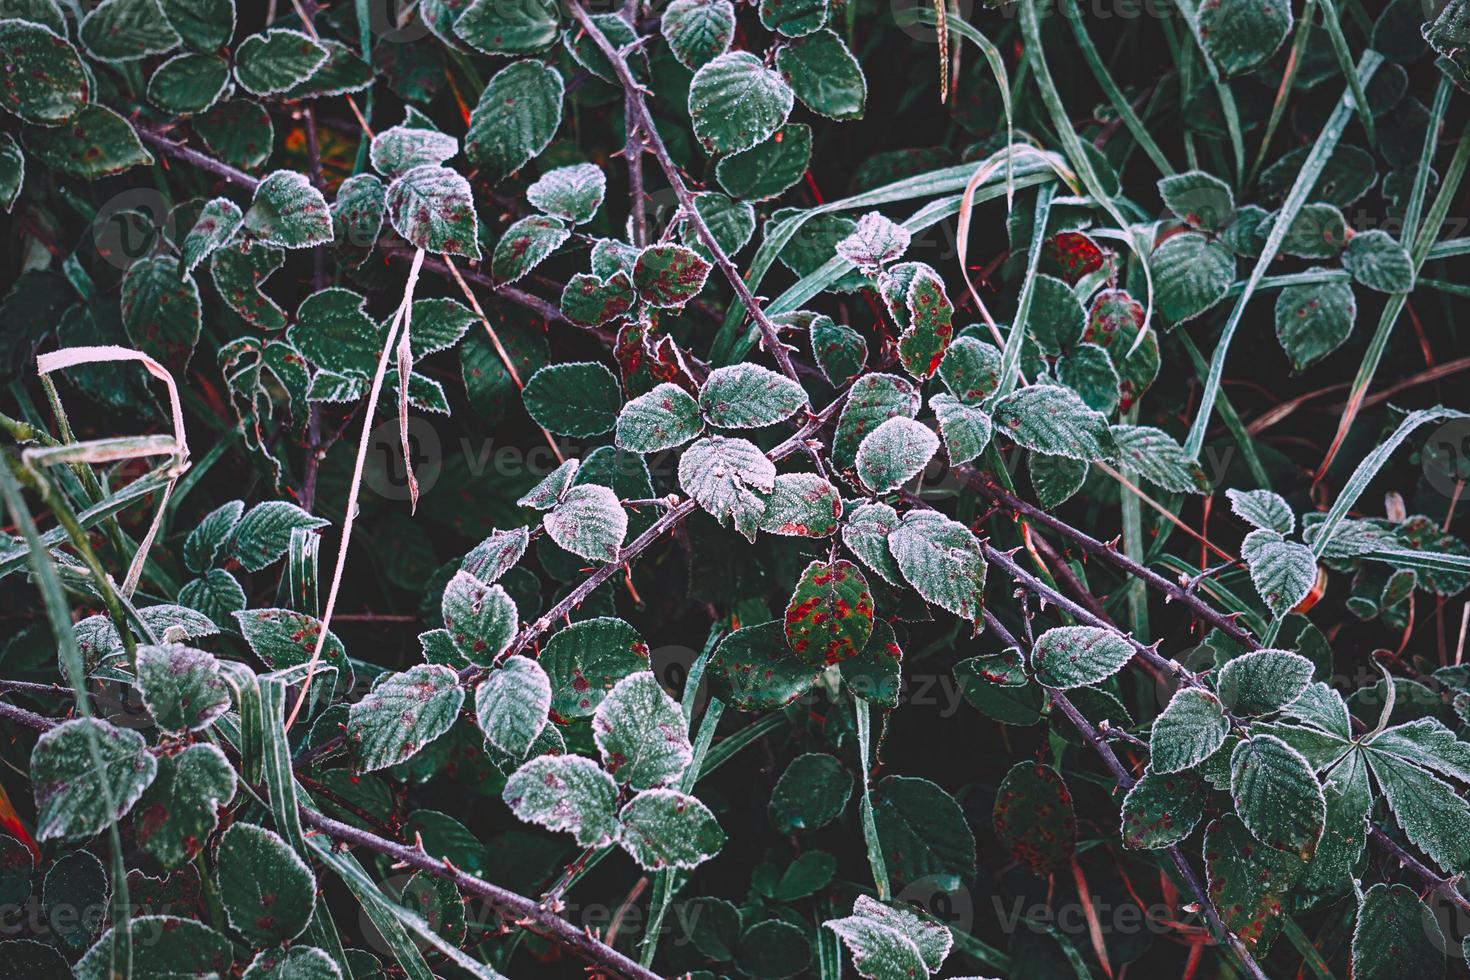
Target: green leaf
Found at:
x=887, y=941
x=895, y=452
x=824, y=75
x=239, y=131
x=1263, y=681
x=357, y=215
x=771, y=167
x=865, y=532
x=1282, y=571
x=731, y=222
x=508, y=28
x=775, y=949
x=182, y=687
x=1033, y=816
x=575, y=399
x=754, y=669
x=511, y=705
x=1379, y=262
x=1154, y=455
x=516, y=117
x=275, y=60
x=1318, y=232
x=793, y=18
x=48, y=84
x=872, y=399
x=288, y=212
x=284, y=638
x=215, y=227
x=1054, y=420
x=1276, y=794
x=925, y=313
x=1248, y=883
x=403, y=713
x=1088, y=370
x=736, y=102
x=126, y=30
x=434, y=209
x=589, y=521
x=335, y=333
x=586, y=659
x=1240, y=35
x=204, y=25
x=1162, y=809
x=76, y=883
x=1113, y=324
x=1264, y=509
x=1055, y=478
x=497, y=554
x=525, y=245
x=267, y=891
x=263, y=535
x=971, y=370
x=728, y=478
x=1076, y=656
x=923, y=833
x=661, y=419
x=830, y=615
x=802, y=505
x=1199, y=199
x=669, y=275
x=1313, y=320
x=640, y=733
x=812, y=792
x=748, y=396
x=662, y=828
x=565, y=793
x=78, y=768
x=94, y=143
x=399, y=149
x=342, y=73
x=1057, y=319
x=180, y=810
x=1188, y=731
x=839, y=350
x=1191, y=274
x=12, y=171
x=698, y=31
x=481, y=618
x=189, y=83
x=1433, y=814
x=571, y=193
x=303, y=962
x=966, y=429
x=161, y=311
x=941, y=559
x=589, y=301
x=193, y=950
x=1396, y=935
x=238, y=269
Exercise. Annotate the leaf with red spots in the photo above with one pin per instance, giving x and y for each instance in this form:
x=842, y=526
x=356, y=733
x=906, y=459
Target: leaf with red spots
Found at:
x=1113, y=322
x=661, y=419
x=1075, y=656
x=481, y=618
x=661, y=828
x=698, y=30
x=46, y=83
x=1248, y=881
x=875, y=674
x=397, y=150
x=507, y=28
x=748, y=396
x=289, y=212
x=585, y=660
x=589, y=521
x=161, y=311
x=126, y=30
x=1277, y=795
x=238, y=131
x=525, y=245
x=1069, y=256
x=403, y=713
x=433, y=208
x=753, y=669
x=1162, y=808
x=1313, y=320
x=177, y=813
x=181, y=686
x=1397, y=935
x=80, y=766
x=669, y=275
x=517, y=115
x=1199, y=199
x=915, y=296
x=802, y=505
x=873, y=399
x=267, y=890
x=191, y=949
x=840, y=351
x=1034, y=818
x=238, y=269
x=94, y=143
x=217, y=223
x=941, y=559
x=735, y=102
x=830, y=615
x=276, y=60
x=589, y=301
x=971, y=369
x=641, y=733
x=895, y=452
x=565, y=793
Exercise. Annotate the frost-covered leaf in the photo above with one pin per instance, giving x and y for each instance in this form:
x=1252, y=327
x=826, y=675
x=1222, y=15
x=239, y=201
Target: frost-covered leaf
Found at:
x=895, y=452
x=923, y=832
x=94, y=143
x=589, y=521
x=1248, y=883
x=1191, y=273
x=830, y=615
x=495, y=27
x=72, y=793
x=915, y=296
x=771, y=167
x=669, y=275
x=1162, y=809
x=1313, y=320
x=661, y=419
x=264, y=534
x=641, y=733
x=866, y=532
x=565, y=793
x=590, y=301
x=1199, y=199
x=404, y=712
x=941, y=559
x=1057, y=319
x=728, y=478
x=288, y=212
x=276, y=60
x=304, y=962
x=126, y=30
x=511, y=704
x=1054, y=420
x=12, y=172
x=216, y=225
x=966, y=429
x=1188, y=731
x=1432, y=813
x=162, y=312
x=1033, y=816
x=878, y=950
x=433, y=208
x=189, y=83
x=793, y=18
x=574, y=399
x=872, y=399
x=266, y=889
x=181, y=686
x=180, y=809
x=840, y=351
x=481, y=618
x=736, y=102
x=1378, y=261
x=1282, y=571
x=1088, y=370
x=525, y=245
x=748, y=396
x=754, y=669
x=811, y=793
x=698, y=30
x=571, y=193
x=399, y=149
x=1159, y=459
x=1276, y=794
x=193, y=951
x=1264, y=680
x=661, y=828
x=971, y=369
x=1396, y=935
x=1264, y=509
x=48, y=83
x=802, y=505
x=824, y=75
x=517, y=115
x=1241, y=34
x=1076, y=656
x=284, y=638
x=238, y=269
x=586, y=659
